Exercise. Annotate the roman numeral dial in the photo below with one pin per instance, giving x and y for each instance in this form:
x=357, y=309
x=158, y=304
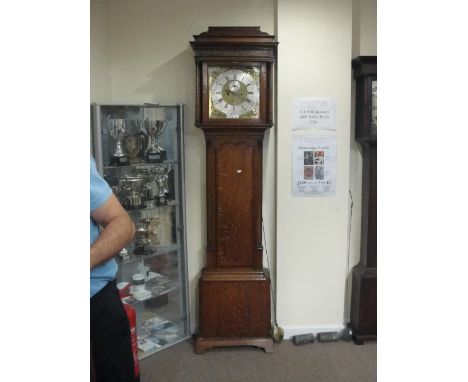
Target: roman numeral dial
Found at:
x=234, y=92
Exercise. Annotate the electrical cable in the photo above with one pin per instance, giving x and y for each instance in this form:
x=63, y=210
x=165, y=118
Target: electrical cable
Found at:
x=346, y=318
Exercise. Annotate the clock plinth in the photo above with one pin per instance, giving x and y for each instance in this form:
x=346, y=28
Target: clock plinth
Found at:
x=235, y=67
x=235, y=309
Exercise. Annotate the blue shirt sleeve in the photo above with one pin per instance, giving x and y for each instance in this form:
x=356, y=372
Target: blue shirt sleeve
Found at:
x=100, y=191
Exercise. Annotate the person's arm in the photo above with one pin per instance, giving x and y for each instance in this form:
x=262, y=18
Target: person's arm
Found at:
x=118, y=231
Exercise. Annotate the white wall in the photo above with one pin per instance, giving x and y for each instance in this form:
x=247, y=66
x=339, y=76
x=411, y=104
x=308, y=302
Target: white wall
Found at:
x=314, y=61
x=100, y=67
x=145, y=56
x=364, y=28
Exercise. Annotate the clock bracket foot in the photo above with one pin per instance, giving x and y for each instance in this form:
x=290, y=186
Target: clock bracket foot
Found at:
x=203, y=344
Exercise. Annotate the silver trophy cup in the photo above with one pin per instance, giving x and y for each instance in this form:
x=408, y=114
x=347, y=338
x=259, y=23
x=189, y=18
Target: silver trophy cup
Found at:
x=132, y=190
x=117, y=131
x=155, y=153
x=146, y=236
x=142, y=237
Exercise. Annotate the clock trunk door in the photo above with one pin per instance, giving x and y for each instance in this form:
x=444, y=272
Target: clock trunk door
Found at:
x=236, y=187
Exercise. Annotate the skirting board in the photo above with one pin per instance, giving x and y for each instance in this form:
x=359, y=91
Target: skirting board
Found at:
x=291, y=331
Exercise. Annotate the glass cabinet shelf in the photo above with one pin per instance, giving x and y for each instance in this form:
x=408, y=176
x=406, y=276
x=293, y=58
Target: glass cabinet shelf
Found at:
x=150, y=207
x=157, y=251
x=156, y=291
x=137, y=165
x=139, y=150
x=151, y=297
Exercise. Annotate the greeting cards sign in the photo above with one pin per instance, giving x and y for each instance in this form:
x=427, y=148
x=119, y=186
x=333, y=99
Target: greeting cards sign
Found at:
x=314, y=165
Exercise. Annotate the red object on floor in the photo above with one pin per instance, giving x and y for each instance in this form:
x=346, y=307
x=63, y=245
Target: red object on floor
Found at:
x=132, y=321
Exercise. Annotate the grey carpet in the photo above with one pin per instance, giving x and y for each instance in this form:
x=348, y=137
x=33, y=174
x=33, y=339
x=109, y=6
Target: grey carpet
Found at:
x=317, y=362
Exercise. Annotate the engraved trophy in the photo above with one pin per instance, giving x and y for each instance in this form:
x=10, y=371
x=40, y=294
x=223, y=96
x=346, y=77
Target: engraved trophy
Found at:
x=155, y=153
x=132, y=190
x=117, y=131
x=146, y=236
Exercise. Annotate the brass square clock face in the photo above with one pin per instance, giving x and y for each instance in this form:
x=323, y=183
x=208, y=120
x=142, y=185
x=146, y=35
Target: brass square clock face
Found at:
x=234, y=92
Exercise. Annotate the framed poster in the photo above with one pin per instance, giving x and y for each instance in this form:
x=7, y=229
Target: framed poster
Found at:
x=314, y=165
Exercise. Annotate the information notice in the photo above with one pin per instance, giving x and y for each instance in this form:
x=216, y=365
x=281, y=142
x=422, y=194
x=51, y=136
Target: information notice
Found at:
x=318, y=113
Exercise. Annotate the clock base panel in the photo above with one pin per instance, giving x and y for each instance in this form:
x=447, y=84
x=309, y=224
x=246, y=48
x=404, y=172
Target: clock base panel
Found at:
x=359, y=340
x=364, y=304
x=235, y=308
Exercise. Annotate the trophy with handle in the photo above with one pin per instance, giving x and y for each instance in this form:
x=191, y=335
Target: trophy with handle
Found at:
x=117, y=131
x=143, y=237
x=155, y=153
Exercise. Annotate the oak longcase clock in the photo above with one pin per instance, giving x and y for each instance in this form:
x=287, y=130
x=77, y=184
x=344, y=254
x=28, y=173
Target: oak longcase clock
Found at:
x=234, y=97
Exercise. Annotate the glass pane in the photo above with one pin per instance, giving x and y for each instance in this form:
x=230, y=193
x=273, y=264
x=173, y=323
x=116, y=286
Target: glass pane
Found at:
x=374, y=108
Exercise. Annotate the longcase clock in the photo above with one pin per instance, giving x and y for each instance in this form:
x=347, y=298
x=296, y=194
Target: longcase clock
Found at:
x=364, y=292
x=234, y=98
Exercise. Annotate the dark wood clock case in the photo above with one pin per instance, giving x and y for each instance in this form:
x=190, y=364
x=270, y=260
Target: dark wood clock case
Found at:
x=234, y=288
x=364, y=292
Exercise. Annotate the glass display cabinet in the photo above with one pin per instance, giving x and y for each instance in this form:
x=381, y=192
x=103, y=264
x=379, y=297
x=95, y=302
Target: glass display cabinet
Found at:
x=139, y=151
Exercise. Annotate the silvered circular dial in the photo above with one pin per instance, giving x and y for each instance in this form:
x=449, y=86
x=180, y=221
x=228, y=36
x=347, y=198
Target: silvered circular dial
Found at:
x=234, y=94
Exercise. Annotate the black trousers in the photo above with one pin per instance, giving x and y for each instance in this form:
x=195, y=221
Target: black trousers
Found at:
x=111, y=346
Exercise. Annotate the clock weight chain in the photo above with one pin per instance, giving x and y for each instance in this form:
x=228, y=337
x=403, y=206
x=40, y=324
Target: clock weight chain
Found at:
x=277, y=332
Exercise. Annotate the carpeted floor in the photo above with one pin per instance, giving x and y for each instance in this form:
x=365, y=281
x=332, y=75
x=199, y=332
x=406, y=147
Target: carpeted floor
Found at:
x=317, y=362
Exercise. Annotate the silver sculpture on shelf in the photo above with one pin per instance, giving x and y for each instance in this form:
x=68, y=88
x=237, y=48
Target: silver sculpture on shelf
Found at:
x=162, y=180
x=117, y=131
x=155, y=153
x=150, y=187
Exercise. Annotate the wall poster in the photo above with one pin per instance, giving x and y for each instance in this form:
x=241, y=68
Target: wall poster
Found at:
x=318, y=113
x=314, y=165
